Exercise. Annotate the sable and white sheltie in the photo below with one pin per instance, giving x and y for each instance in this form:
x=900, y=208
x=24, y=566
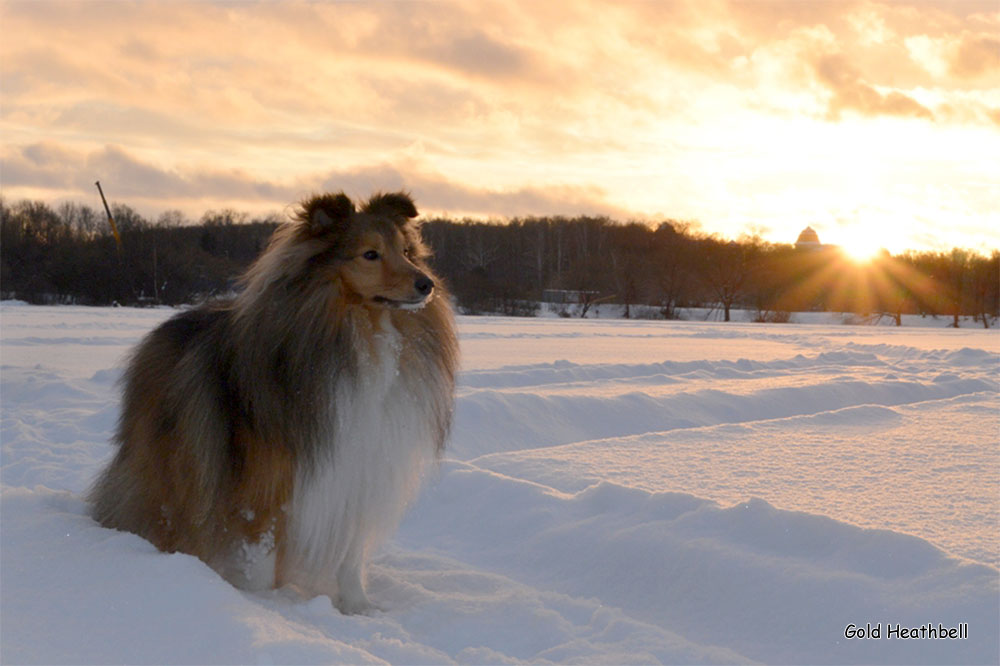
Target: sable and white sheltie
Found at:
x=279, y=435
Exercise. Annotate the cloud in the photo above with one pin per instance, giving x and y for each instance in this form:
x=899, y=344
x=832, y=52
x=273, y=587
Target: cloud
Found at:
x=436, y=193
x=192, y=190
x=480, y=54
x=976, y=55
x=452, y=73
x=62, y=168
x=455, y=198
x=851, y=92
x=38, y=166
x=968, y=56
x=463, y=38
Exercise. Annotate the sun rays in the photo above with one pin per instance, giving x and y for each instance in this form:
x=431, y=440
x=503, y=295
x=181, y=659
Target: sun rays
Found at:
x=861, y=280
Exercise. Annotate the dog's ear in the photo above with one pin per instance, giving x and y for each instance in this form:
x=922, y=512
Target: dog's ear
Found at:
x=393, y=204
x=328, y=212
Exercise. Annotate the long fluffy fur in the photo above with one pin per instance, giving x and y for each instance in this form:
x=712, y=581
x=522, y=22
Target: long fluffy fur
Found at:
x=279, y=435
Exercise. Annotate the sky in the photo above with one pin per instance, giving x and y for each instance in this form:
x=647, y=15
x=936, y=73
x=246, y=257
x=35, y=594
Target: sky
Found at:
x=873, y=122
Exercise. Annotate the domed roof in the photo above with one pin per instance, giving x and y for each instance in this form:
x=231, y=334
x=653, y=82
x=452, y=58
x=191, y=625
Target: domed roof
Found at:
x=808, y=237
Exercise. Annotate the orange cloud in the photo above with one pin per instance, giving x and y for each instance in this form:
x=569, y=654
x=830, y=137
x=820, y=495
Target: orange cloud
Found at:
x=976, y=56
x=128, y=177
x=851, y=92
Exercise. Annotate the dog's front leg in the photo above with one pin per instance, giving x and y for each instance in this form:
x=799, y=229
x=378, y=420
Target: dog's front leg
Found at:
x=351, y=596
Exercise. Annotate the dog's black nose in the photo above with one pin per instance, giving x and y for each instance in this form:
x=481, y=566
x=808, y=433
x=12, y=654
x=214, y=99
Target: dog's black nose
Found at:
x=423, y=285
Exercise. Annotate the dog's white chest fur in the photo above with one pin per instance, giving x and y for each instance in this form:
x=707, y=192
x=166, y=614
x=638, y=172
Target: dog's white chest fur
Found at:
x=353, y=494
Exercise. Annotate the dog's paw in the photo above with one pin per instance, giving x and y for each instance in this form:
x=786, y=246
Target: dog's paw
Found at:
x=358, y=606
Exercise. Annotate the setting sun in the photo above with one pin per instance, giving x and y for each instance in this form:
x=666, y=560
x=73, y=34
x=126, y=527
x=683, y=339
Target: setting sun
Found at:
x=862, y=242
x=861, y=250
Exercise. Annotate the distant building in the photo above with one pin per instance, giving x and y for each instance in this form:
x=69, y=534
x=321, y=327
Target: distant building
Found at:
x=808, y=239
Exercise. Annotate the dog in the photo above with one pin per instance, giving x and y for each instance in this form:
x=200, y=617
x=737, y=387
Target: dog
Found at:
x=278, y=435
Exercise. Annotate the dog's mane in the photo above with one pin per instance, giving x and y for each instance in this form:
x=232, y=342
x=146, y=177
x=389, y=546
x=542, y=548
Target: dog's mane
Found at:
x=292, y=331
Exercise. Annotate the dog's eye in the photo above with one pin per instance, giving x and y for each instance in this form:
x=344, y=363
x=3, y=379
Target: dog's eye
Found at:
x=370, y=255
x=408, y=252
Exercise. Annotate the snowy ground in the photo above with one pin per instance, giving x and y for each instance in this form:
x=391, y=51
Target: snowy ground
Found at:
x=615, y=491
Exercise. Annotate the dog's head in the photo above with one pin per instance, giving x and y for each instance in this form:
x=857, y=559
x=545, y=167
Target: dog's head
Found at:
x=375, y=251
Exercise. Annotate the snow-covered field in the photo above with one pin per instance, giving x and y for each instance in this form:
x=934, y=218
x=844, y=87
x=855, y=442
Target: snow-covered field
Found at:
x=615, y=492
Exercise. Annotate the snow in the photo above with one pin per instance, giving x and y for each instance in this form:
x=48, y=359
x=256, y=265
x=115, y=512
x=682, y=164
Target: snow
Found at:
x=614, y=492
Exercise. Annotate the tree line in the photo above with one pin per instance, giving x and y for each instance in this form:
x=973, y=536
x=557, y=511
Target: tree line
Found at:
x=67, y=254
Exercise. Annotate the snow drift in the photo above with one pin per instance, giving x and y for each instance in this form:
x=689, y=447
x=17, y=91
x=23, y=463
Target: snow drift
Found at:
x=654, y=492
